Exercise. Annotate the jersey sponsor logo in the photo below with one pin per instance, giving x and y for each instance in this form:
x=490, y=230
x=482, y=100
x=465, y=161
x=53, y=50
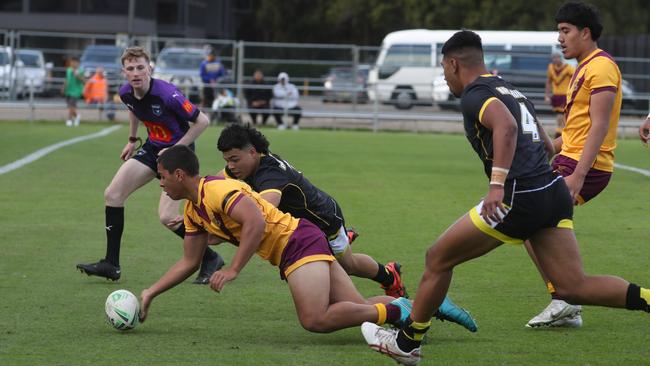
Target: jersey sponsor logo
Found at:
x=187, y=106
x=156, y=109
x=158, y=131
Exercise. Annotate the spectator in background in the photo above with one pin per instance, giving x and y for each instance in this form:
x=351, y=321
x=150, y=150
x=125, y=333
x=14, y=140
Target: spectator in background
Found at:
x=258, y=97
x=96, y=89
x=73, y=87
x=557, y=82
x=285, y=100
x=211, y=71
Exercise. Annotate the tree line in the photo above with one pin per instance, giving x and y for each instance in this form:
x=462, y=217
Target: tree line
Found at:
x=366, y=22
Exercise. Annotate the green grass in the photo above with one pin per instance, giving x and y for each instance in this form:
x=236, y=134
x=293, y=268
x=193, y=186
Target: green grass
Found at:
x=400, y=190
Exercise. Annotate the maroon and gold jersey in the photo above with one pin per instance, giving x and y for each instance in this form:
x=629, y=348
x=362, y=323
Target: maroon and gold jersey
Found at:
x=559, y=78
x=217, y=198
x=595, y=74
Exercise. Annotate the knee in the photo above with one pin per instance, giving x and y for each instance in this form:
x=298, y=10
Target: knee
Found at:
x=314, y=324
x=167, y=219
x=113, y=196
x=435, y=260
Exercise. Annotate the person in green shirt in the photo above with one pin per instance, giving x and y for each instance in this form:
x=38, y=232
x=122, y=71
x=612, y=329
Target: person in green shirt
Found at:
x=73, y=87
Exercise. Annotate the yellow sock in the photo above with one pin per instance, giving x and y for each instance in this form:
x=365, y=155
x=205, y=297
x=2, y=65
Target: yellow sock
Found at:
x=419, y=330
x=645, y=294
x=381, y=314
x=550, y=288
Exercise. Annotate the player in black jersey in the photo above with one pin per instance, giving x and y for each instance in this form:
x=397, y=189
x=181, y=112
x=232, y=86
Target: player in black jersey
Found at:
x=525, y=200
x=248, y=158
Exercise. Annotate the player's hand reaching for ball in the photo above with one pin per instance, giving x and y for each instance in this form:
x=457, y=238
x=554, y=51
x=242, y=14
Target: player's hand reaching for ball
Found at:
x=219, y=278
x=145, y=301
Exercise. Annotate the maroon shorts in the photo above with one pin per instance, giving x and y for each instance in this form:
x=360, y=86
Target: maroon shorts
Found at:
x=306, y=244
x=595, y=181
x=558, y=102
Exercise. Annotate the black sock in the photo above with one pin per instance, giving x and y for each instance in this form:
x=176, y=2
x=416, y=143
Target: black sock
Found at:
x=634, y=301
x=114, y=228
x=180, y=231
x=410, y=337
x=383, y=276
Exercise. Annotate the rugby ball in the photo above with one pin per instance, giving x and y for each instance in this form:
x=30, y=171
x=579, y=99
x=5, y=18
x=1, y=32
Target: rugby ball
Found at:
x=122, y=310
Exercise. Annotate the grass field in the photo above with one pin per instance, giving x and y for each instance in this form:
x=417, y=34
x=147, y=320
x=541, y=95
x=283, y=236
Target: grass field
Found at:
x=400, y=190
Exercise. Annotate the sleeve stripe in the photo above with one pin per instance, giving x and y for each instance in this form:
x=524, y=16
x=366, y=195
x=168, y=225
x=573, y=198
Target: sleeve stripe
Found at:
x=485, y=104
x=236, y=200
x=224, y=203
x=604, y=89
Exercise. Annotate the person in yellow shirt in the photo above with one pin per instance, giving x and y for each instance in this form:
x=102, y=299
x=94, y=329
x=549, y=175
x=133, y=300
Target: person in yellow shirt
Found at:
x=324, y=296
x=585, y=150
x=558, y=76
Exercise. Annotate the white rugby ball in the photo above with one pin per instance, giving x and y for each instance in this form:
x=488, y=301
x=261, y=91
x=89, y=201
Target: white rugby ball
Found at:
x=122, y=310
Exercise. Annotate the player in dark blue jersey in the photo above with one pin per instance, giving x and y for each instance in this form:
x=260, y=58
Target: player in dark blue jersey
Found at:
x=170, y=119
x=248, y=158
x=525, y=201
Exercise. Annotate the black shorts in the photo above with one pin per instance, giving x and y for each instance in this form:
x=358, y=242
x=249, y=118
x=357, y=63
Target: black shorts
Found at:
x=148, y=155
x=71, y=102
x=532, y=204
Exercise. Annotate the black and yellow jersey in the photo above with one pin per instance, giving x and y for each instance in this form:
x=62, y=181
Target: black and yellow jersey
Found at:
x=300, y=197
x=530, y=158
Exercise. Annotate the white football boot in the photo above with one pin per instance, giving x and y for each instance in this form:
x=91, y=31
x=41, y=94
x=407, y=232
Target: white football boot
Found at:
x=558, y=313
x=384, y=341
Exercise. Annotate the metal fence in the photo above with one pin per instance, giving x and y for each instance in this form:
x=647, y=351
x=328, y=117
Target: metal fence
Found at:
x=311, y=67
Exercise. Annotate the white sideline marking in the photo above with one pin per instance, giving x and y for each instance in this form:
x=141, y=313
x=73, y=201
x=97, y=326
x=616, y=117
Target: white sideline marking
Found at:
x=632, y=169
x=48, y=149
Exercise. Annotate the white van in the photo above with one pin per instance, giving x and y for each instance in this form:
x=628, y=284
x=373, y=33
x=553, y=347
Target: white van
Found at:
x=408, y=70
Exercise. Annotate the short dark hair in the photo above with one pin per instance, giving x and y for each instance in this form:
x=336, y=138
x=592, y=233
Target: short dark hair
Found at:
x=238, y=136
x=465, y=44
x=581, y=15
x=180, y=157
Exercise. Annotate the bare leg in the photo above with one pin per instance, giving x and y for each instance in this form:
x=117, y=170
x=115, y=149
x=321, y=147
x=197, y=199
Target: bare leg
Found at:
x=533, y=257
x=357, y=264
x=559, y=257
x=168, y=212
x=326, y=299
x=129, y=177
x=460, y=243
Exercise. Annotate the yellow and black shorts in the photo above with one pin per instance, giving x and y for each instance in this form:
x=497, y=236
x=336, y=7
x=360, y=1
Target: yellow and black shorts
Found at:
x=531, y=204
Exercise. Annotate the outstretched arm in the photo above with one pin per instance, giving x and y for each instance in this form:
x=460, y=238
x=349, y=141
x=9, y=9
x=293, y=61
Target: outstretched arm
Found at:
x=193, y=248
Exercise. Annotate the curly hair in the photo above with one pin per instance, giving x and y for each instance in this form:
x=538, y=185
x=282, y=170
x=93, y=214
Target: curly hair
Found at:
x=238, y=136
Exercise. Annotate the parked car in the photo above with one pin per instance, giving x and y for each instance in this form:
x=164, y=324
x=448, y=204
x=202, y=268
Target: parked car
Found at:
x=34, y=69
x=341, y=84
x=106, y=56
x=180, y=66
x=11, y=81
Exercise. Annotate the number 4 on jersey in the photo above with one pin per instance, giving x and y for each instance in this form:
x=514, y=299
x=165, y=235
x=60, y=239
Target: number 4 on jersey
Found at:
x=528, y=123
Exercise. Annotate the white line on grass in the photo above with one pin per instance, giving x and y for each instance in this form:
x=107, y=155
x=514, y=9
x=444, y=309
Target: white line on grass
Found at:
x=48, y=149
x=633, y=169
